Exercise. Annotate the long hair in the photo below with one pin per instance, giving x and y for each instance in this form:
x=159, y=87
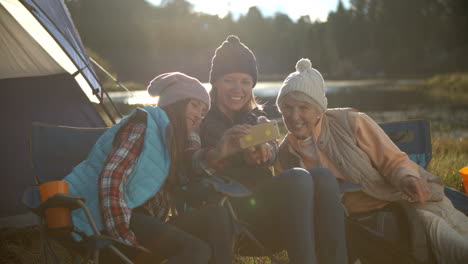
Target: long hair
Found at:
x=177, y=136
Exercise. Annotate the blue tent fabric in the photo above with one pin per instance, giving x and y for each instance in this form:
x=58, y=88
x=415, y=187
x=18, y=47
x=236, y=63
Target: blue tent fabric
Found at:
x=54, y=16
x=50, y=99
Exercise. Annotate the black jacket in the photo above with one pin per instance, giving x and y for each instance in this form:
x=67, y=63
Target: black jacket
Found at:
x=216, y=123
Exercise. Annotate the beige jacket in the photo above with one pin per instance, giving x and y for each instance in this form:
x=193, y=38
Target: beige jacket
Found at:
x=356, y=149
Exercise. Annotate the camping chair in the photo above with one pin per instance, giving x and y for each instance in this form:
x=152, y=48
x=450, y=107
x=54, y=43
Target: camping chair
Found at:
x=229, y=188
x=395, y=233
x=55, y=151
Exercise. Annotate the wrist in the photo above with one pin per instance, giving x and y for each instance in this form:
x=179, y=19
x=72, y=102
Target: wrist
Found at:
x=214, y=154
x=214, y=159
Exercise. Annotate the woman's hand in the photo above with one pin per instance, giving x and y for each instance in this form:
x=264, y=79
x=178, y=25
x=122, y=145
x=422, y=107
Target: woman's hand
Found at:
x=229, y=142
x=416, y=188
x=258, y=155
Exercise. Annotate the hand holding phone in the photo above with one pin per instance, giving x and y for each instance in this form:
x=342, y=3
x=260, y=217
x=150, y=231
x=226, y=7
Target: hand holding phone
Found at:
x=261, y=133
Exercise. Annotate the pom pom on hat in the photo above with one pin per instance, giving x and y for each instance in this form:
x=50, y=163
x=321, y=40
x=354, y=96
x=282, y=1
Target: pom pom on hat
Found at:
x=233, y=56
x=172, y=87
x=306, y=80
x=233, y=39
x=303, y=64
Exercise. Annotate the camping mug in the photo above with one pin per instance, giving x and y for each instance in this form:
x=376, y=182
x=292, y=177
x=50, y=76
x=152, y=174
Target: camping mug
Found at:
x=56, y=217
x=464, y=174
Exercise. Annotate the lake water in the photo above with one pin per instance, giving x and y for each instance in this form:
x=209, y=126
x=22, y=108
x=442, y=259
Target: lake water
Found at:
x=383, y=100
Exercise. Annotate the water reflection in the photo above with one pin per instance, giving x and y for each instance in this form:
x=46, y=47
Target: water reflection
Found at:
x=383, y=100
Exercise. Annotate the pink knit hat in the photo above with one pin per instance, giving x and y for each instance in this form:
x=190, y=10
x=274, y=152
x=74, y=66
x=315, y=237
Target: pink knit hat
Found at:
x=172, y=87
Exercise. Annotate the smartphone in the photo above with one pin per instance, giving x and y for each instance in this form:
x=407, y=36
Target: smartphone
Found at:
x=260, y=133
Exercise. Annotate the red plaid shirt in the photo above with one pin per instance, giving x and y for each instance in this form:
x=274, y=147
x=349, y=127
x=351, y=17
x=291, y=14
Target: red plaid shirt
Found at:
x=120, y=163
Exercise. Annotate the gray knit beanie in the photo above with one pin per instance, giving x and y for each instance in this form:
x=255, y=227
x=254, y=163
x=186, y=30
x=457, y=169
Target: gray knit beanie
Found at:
x=306, y=80
x=233, y=56
x=172, y=87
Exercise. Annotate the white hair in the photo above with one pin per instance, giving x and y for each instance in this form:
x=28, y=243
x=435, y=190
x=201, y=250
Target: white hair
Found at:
x=300, y=96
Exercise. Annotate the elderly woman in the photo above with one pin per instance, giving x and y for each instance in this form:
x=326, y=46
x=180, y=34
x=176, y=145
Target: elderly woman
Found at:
x=355, y=149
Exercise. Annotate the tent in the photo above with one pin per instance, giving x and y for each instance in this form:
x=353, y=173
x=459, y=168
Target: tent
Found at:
x=45, y=76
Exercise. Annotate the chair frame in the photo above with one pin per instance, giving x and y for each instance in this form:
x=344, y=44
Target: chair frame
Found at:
x=31, y=199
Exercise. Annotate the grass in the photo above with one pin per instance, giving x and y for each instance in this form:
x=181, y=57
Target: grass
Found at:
x=451, y=86
x=449, y=155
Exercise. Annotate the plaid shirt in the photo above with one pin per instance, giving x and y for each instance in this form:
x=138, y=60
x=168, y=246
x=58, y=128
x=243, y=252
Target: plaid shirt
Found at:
x=120, y=163
x=200, y=159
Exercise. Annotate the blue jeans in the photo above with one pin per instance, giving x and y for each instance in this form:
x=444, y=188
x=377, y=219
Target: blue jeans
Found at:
x=299, y=211
x=204, y=235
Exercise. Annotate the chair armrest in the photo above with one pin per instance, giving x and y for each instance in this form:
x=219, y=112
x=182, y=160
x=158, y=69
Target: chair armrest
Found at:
x=226, y=186
x=32, y=200
x=61, y=200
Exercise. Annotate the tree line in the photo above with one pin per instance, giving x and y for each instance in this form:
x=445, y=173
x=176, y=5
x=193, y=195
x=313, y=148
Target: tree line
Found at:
x=371, y=38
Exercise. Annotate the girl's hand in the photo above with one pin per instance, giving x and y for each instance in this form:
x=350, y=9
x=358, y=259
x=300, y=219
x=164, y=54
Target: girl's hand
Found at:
x=416, y=188
x=229, y=143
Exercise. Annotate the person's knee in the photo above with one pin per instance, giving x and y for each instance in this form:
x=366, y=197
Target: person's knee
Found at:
x=296, y=180
x=324, y=178
x=322, y=173
x=299, y=175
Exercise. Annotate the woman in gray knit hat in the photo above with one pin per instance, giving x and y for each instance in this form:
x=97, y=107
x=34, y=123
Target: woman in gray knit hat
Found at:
x=356, y=149
x=282, y=211
x=140, y=163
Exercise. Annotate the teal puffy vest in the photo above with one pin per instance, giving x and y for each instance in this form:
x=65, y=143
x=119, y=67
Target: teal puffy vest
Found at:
x=144, y=182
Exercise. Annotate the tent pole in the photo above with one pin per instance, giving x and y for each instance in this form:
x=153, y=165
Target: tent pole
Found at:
x=112, y=103
x=108, y=113
x=110, y=75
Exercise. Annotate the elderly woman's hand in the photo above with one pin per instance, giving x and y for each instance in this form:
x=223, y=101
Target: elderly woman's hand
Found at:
x=416, y=188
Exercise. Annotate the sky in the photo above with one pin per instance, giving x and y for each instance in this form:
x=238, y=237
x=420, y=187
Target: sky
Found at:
x=316, y=9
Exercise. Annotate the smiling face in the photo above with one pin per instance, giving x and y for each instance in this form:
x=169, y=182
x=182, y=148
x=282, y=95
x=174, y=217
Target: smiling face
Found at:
x=234, y=92
x=194, y=113
x=300, y=117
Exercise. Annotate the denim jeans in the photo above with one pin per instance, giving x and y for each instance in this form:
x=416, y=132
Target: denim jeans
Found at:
x=205, y=235
x=299, y=211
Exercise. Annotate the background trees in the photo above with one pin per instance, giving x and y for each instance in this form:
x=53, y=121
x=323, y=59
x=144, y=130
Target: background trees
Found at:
x=373, y=38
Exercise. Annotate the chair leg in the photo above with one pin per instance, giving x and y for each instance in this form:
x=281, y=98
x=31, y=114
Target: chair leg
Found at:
x=246, y=231
x=120, y=254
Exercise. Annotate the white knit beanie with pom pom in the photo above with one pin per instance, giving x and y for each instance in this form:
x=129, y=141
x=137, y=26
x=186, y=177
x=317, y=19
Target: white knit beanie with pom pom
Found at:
x=306, y=80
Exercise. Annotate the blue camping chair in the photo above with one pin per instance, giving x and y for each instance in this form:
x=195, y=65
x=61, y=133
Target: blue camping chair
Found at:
x=55, y=151
x=395, y=234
